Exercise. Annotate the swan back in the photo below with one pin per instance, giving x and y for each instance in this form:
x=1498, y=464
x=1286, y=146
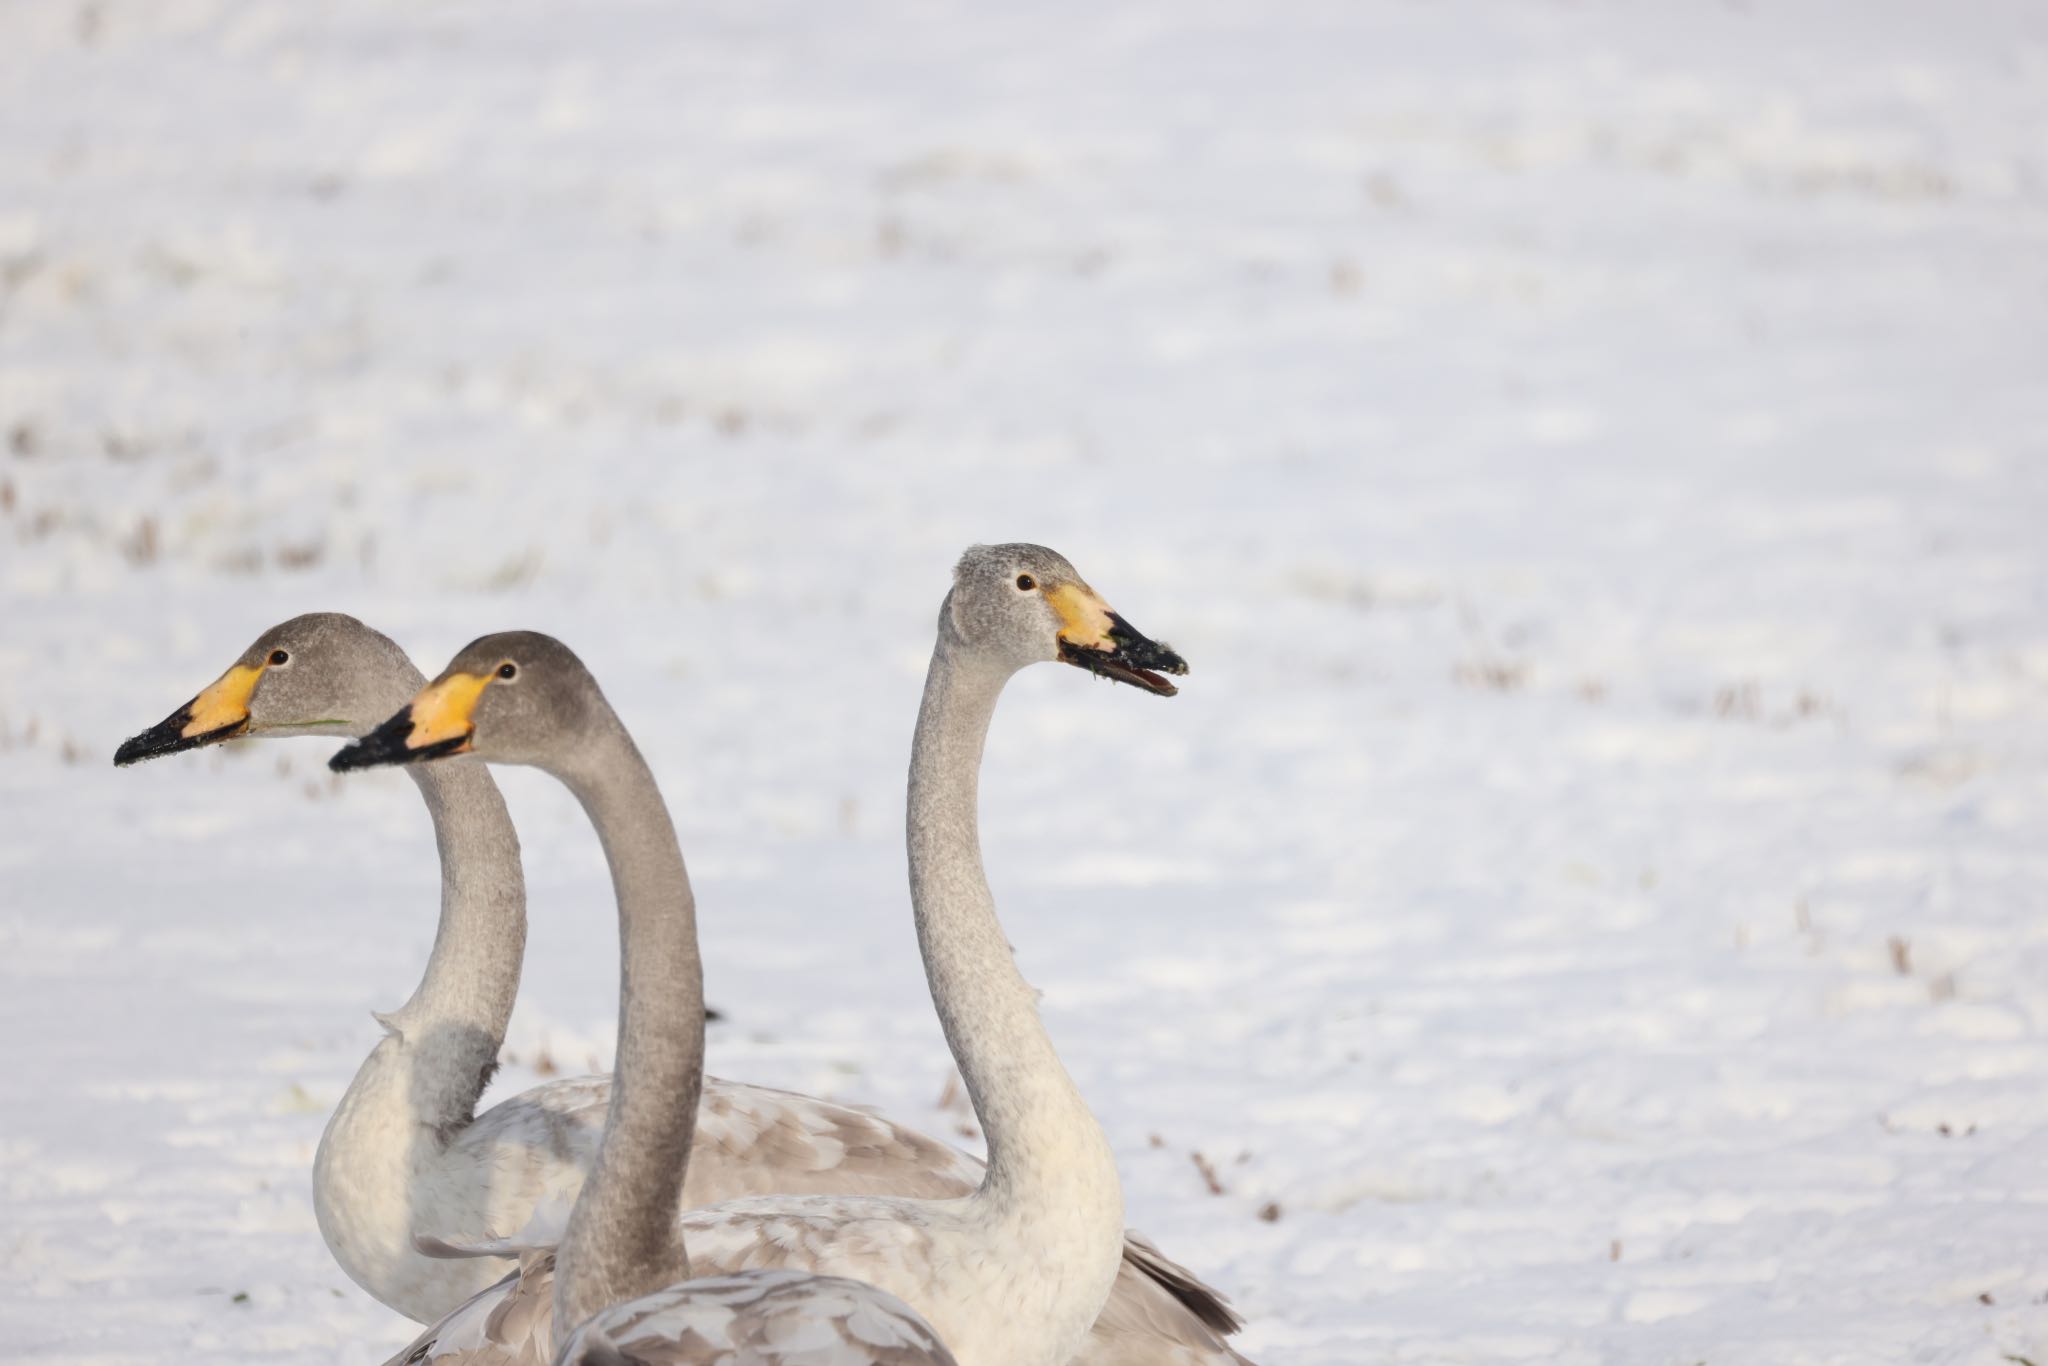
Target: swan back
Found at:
x=759, y=1317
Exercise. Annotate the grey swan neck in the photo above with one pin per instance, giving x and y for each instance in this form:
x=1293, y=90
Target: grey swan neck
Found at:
x=622, y=1240
x=454, y=1023
x=418, y=1089
x=1048, y=1160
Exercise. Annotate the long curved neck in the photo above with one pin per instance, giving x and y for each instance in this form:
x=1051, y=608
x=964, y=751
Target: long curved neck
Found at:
x=419, y=1087
x=1045, y=1151
x=622, y=1240
x=454, y=1023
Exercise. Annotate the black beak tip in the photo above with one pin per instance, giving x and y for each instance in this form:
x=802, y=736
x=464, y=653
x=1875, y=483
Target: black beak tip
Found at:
x=1135, y=660
x=391, y=743
x=165, y=737
x=384, y=745
x=349, y=757
x=1139, y=651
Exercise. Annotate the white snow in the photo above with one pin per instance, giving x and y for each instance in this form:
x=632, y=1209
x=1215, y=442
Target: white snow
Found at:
x=1595, y=458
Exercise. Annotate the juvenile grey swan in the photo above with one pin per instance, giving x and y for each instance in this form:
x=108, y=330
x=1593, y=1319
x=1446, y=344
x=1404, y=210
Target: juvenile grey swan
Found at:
x=622, y=1272
x=1015, y=1273
x=406, y=1156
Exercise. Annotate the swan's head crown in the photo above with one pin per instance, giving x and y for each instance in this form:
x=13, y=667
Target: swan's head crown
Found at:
x=1023, y=604
x=324, y=673
x=516, y=697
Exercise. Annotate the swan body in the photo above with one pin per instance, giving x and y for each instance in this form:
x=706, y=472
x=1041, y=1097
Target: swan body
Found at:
x=1147, y=1320
x=835, y=1321
x=751, y=1141
x=1039, y=1241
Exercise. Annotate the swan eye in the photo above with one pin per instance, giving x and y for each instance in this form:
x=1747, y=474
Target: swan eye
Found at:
x=508, y=670
x=278, y=657
x=1025, y=583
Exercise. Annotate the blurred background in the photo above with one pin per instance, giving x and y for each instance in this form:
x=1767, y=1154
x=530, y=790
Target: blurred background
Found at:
x=1586, y=903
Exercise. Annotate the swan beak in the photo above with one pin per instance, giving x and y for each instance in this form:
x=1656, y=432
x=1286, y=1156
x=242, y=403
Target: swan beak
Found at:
x=219, y=713
x=435, y=723
x=1094, y=638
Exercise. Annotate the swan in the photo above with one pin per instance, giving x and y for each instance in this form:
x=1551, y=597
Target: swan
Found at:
x=1016, y=1272
x=616, y=1271
x=406, y=1153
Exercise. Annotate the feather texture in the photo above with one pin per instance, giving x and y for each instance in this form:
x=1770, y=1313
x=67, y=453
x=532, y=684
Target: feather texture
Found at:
x=785, y=1316
x=813, y=1320
x=1153, y=1318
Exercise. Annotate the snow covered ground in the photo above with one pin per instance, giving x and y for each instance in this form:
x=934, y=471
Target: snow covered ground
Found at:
x=1586, y=905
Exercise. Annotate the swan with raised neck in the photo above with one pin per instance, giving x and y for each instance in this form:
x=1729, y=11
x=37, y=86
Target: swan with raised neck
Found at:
x=1015, y=1273
x=380, y=1171
x=621, y=1287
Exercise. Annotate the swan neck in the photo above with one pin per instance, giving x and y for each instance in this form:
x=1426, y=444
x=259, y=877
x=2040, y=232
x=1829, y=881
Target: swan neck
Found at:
x=622, y=1239
x=419, y=1087
x=454, y=1023
x=1046, y=1152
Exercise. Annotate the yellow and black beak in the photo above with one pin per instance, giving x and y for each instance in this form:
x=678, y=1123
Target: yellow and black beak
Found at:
x=434, y=724
x=219, y=713
x=1096, y=639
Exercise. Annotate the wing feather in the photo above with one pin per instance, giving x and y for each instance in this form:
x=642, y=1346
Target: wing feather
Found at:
x=783, y=1317
x=509, y=1323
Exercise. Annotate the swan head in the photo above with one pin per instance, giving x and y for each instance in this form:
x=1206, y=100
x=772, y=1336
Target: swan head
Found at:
x=324, y=673
x=516, y=697
x=1024, y=604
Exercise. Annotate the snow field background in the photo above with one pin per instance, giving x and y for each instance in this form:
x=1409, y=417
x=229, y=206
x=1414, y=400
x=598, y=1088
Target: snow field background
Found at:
x=1585, y=905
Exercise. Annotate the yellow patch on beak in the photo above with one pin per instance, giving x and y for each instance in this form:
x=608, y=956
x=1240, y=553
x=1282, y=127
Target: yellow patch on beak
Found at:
x=1086, y=617
x=225, y=703
x=443, y=711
